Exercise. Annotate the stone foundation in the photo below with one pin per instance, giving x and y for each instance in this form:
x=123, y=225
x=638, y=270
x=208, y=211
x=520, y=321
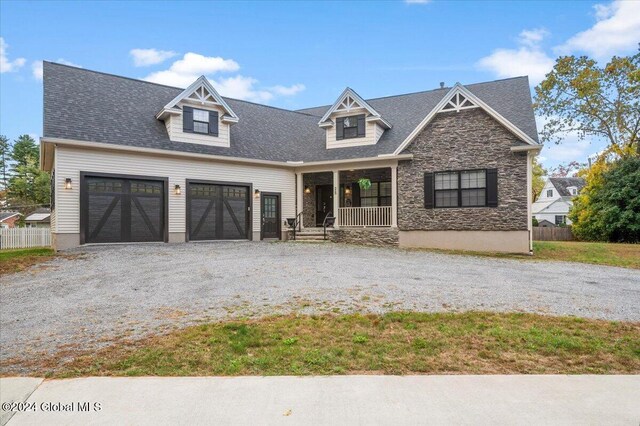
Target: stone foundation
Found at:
x=366, y=236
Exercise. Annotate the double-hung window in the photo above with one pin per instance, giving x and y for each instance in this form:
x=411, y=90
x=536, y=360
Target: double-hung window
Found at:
x=378, y=194
x=350, y=127
x=464, y=188
x=200, y=121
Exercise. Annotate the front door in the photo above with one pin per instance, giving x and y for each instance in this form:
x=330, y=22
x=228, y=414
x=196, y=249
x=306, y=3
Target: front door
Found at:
x=270, y=213
x=324, y=202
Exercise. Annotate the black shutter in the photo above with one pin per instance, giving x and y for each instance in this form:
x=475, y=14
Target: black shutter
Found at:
x=361, y=126
x=213, y=123
x=339, y=128
x=355, y=194
x=187, y=119
x=428, y=190
x=492, y=187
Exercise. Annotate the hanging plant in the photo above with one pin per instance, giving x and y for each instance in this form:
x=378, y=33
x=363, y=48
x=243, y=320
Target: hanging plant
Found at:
x=364, y=183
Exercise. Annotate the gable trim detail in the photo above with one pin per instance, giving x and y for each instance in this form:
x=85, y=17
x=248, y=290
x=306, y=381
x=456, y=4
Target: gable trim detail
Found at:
x=354, y=99
x=197, y=88
x=460, y=89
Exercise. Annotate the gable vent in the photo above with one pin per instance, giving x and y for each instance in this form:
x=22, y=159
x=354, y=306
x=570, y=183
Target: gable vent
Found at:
x=458, y=102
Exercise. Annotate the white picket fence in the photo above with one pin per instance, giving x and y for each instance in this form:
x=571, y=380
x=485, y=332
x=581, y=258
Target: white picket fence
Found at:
x=11, y=238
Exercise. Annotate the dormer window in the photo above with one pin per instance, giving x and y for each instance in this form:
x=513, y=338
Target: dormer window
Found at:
x=350, y=127
x=199, y=121
x=549, y=193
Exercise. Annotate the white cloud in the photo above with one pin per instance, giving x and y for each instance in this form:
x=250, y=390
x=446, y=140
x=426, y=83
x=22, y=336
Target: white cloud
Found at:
x=529, y=59
x=617, y=31
x=36, y=67
x=533, y=38
x=5, y=64
x=146, y=57
x=240, y=87
x=287, y=91
x=185, y=71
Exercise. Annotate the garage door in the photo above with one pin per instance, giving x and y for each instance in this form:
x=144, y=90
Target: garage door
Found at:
x=217, y=211
x=122, y=209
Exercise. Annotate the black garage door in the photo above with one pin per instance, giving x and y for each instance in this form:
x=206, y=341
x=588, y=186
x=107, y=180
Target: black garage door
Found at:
x=218, y=211
x=118, y=209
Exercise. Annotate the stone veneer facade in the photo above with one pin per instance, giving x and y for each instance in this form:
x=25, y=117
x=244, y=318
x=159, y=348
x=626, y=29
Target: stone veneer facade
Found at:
x=366, y=236
x=469, y=139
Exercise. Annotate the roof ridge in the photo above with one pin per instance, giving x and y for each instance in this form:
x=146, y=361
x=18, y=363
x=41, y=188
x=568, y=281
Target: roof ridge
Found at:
x=426, y=91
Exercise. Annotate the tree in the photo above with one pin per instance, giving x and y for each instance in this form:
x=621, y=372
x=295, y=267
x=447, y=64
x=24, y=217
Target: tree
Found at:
x=603, y=102
x=608, y=208
x=567, y=170
x=539, y=173
x=24, y=149
x=27, y=185
x=5, y=156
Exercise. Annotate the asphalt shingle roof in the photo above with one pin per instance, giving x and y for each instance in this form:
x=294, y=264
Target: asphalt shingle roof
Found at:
x=92, y=106
x=561, y=184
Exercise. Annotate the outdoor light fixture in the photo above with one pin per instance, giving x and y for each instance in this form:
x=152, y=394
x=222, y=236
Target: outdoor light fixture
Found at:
x=307, y=190
x=347, y=190
x=177, y=190
x=67, y=183
x=256, y=193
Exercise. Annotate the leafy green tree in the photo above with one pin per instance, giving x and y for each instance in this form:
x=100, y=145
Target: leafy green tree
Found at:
x=27, y=185
x=539, y=173
x=582, y=97
x=24, y=149
x=608, y=208
x=5, y=156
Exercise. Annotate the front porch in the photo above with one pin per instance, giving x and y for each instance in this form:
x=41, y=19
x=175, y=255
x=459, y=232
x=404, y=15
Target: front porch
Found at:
x=338, y=193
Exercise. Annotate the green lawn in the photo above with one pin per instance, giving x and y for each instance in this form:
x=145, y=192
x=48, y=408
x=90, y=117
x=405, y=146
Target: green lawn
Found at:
x=394, y=343
x=625, y=255
x=611, y=254
x=19, y=259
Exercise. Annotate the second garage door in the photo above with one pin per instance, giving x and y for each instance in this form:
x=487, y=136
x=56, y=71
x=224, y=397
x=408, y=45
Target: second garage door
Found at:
x=218, y=211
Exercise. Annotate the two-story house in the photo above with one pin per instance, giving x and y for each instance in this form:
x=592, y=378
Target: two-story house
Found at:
x=134, y=161
x=554, y=202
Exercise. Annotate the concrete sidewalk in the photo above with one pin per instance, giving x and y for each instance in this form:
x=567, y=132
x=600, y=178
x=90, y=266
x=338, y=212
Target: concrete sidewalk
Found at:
x=393, y=400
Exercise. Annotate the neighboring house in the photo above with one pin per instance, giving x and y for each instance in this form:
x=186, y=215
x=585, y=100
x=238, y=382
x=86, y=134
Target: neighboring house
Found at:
x=9, y=219
x=40, y=218
x=138, y=161
x=554, y=201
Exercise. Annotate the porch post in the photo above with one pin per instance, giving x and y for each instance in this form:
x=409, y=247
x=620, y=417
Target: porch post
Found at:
x=336, y=196
x=394, y=195
x=300, y=197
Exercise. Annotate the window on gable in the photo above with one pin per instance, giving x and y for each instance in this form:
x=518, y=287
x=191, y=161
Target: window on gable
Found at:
x=350, y=127
x=549, y=193
x=200, y=121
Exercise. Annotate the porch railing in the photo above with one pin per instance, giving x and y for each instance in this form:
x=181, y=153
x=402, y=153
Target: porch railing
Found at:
x=364, y=216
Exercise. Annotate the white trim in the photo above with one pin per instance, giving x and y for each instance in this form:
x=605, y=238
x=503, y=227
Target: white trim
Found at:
x=378, y=119
x=336, y=197
x=459, y=88
x=394, y=196
x=523, y=148
x=348, y=92
x=201, y=82
x=356, y=160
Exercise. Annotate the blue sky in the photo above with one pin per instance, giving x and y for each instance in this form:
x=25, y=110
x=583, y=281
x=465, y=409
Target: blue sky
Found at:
x=301, y=54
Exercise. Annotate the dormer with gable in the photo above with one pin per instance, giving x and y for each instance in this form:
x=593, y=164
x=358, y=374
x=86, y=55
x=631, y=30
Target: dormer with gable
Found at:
x=351, y=121
x=199, y=115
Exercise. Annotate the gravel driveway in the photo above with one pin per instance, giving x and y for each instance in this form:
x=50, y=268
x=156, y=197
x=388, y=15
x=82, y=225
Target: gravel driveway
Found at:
x=114, y=292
